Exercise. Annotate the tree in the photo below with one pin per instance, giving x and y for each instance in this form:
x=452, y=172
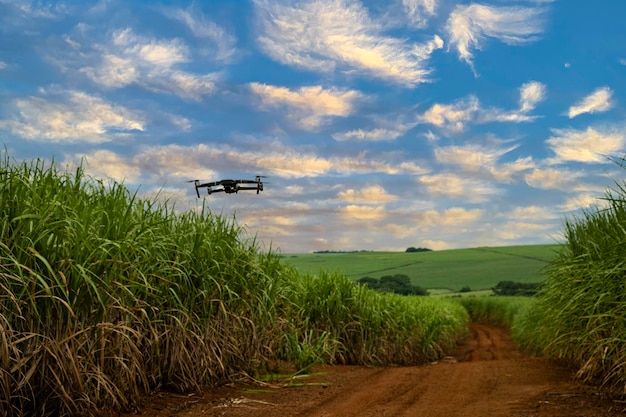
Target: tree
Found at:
x=412, y=249
x=399, y=284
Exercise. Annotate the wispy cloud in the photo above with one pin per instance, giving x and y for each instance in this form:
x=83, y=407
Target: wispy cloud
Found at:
x=598, y=101
x=457, y=186
x=454, y=216
x=356, y=212
x=419, y=11
x=329, y=35
x=223, y=43
x=70, y=116
x=151, y=63
x=469, y=25
x=456, y=116
x=553, y=179
x=308, y=107
x=104, y=164
x=531, y=94
x=372, y=135
x=374, y=194
x=451, y=116
x=592, y=145
x=273, y=158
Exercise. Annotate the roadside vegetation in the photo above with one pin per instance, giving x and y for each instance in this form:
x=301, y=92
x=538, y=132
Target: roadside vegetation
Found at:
x=105, y=297
x=580, y=314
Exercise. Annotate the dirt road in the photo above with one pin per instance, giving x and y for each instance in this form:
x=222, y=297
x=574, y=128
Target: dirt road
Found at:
x=486, y=377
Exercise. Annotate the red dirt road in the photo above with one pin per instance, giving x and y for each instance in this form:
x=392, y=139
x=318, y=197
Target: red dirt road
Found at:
x=486, y=377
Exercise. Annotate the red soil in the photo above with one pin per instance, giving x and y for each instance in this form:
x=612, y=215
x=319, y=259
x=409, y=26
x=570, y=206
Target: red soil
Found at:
x=486, y=377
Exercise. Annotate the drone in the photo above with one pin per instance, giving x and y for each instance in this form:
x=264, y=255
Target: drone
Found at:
x=229, y=186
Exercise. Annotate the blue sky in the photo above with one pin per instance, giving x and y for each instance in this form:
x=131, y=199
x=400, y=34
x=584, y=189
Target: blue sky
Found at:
x=380, y=124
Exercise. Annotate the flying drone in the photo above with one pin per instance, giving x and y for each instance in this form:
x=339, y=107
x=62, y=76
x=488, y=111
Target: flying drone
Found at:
x=229, y=186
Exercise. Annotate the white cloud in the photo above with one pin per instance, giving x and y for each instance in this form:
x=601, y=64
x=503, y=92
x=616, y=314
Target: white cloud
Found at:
x=373, y=135
x=202, y=27
x=531, y=94
x=104, y=164
x=553, y=179
x=354, y=212
x=592, y=145
x=484, y=159
x=309, y=107
x=532, y=213
x=327, y=35
x=454, y=216
x=150, y=63
x=456, y=116
x=419, y=11
x=468, y=25
x=3, y=65
x=456, y=186
x=71, y=116
x=272, y=158
x=451, y=116
x=598, y=101
x=374, y=194
x=582, y=201
x=517, y=230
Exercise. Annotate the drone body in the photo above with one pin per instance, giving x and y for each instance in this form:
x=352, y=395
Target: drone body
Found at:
x=229, y=186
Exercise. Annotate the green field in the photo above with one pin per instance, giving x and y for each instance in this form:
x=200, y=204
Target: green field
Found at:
x=447, y=270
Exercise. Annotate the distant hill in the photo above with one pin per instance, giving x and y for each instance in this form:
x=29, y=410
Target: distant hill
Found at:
x=477, y=268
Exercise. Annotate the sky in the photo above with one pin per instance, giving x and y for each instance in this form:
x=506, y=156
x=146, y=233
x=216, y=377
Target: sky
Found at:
x=380, y=125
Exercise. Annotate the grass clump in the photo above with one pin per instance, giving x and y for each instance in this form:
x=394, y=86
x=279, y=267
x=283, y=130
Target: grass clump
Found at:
x=105, y=297
x=580, y=314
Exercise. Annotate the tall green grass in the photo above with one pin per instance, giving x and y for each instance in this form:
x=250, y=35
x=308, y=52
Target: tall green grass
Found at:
x=377, y=328
x=105, y=297
x=500, y=311
x=580, y=315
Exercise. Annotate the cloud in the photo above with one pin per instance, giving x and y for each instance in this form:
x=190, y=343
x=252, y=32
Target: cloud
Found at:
x=354, y=212
x=373, y=135
x=484, y=159
x=71, y=116
x=517, y=230
x=150, y=63
x=469, y=25
x=592, y=145
x=454, y=216
x=104, y=164
x=419, y=11
x=451, y=116
x=455, y=117
x=582, y=201
x=532, y=213
x=3, y=65
x=224, y=44
x=374, y=194
x=308, y=107
x=553, y=179
x=472, y=157
x=270, y=158
x=531, y=94
x=330, y=35
x=598, y=101
x=456, y=186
